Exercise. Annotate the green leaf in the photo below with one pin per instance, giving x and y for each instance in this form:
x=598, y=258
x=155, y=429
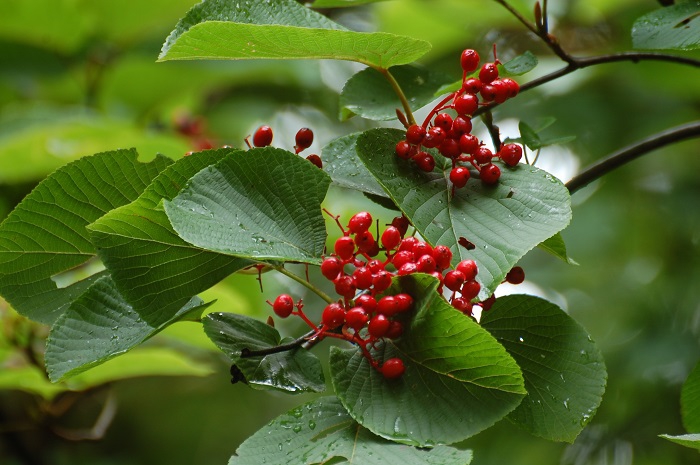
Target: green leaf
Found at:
x=343, y=165
x=458, y=381
x=687, y=440
x=294, y=371
x=45, y=235
x=153, y=268
x=263, y=204
x=281, y=29
x=493, y=225
x=321, y=431
x=519, y=65
x=369, y=94
x=98, y=326
x=563, y=369
x=529, y=136
x=556, y=246
x=690, y=401
x=341, y=3
x=675, y=27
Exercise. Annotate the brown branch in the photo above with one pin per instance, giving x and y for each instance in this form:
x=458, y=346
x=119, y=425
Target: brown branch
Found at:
x=632, y=152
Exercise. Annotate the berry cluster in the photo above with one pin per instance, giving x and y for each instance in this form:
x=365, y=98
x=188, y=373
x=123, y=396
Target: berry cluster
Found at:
x=304, y=138
x=365, y=314
x=451, y=135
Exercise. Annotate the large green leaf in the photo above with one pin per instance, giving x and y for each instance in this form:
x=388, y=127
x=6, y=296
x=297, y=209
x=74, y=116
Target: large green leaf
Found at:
x=280, y=29
x=687, y=440
x=690, y=401
x=294, y=371
x=502, y=222
x=263, y=204
x=45, y=235
x=675, y=27
x=563, y=369
x=345, y=168
x=98, y=326
x=154, y=269
x=369, y=94
x=321, y=431
x=458, y=381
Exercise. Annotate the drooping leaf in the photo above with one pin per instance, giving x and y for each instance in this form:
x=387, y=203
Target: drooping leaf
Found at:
x=534, y=140
x=45, y=235
x=675, y=27
x=321, y=431
x=294, y=371
x=98, y=326
x=564, y=371
x=153, y=268
x=556, y=246
x=687, y=440
x=493, y=225
x=343, y=165
x=690, y=401
x=280, y=29
x=370, y=95
x=458, y=381
x=263, y=204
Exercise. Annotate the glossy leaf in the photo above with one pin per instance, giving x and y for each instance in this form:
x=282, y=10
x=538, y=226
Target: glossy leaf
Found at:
x=458, y=381
x=687, y=440
x=556, y=246
x=281, y=29
x=45, y=235
x=343, y=165
x=498, y=224
x=370, y=95
x=564, y=371
x=321, y=431
x=675, y=27
x=98, y=326
x=341, y=3
x=294, y=371
x=263, y=204
x=690, y=401
x=519, y=65
x=153, y=268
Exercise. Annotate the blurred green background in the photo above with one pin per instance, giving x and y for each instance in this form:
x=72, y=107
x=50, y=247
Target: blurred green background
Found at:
x=79, y=77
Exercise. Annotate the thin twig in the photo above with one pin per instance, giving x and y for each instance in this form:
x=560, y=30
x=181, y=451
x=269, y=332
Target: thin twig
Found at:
x=305, y=283
x=399, y=93
x=295, y=344
x=632, y=152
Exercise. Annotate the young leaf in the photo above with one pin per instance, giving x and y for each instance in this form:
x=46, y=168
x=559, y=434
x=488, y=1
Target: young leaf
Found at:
x=690, y=401
x=369, y=94
x=263, y=204
x=501, y=222
x=458, y=381
x=556, y=246
x=280, y=29
x=564, y=371
x=675, y=27
x=529, y=136
x=294, y=371
x=153, y=268
x=98, y=326
x=687, y=440
x=519, y=65
x=321, y=431
x=45, y=235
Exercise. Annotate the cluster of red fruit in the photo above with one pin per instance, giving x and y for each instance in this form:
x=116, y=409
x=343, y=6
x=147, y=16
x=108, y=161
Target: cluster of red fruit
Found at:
x=262, y=137
x=361, y=316
x=452, y=136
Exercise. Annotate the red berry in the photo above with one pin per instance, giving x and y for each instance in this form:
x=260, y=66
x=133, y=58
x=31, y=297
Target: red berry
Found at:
x=516, y=275
x=513, y=87
x=391, y=238
x=472, y=86
x=304, y=139
x=468, y=268
x=367, y=302
x=511, y=154
x=360, y=222
x=490, y=174
x=395, y=330
x=362, y=278
x=365, y=241
x=283, y=305
x=443, y=121
x=262, y=136
x=316, y=160
x=434, y=137
x=404, y=150
x=459, y=176
x=426, y=264
x=466, y=104
x=402, y=257
x=426, y=163
x=501, y=91
x=415, y=134
x=443, y=256
x=488, y=92
x=331, y=268
x=453, y=280
x=463, y=305
x=356, y=318
x=422, y=248
x=483, y=155
x=469, y=60
x=408, y=244
x=333, y=316
x=375, y=266
x=462, y=125
x=401, y=223
x=345, y=286
x=470, y=289
x=381, y=281
x=468, y=143
x=345, y=247
x=486, y=304
x=408, y=268
x=378, y=325
x=488, y=72
x=388, y=305
x=450, y=148
x=393, y=368
x=404, y=302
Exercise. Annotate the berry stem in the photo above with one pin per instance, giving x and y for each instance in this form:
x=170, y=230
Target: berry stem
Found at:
x=399, y=93
x=632, y=152
x=304, y=283
x=494, y=132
